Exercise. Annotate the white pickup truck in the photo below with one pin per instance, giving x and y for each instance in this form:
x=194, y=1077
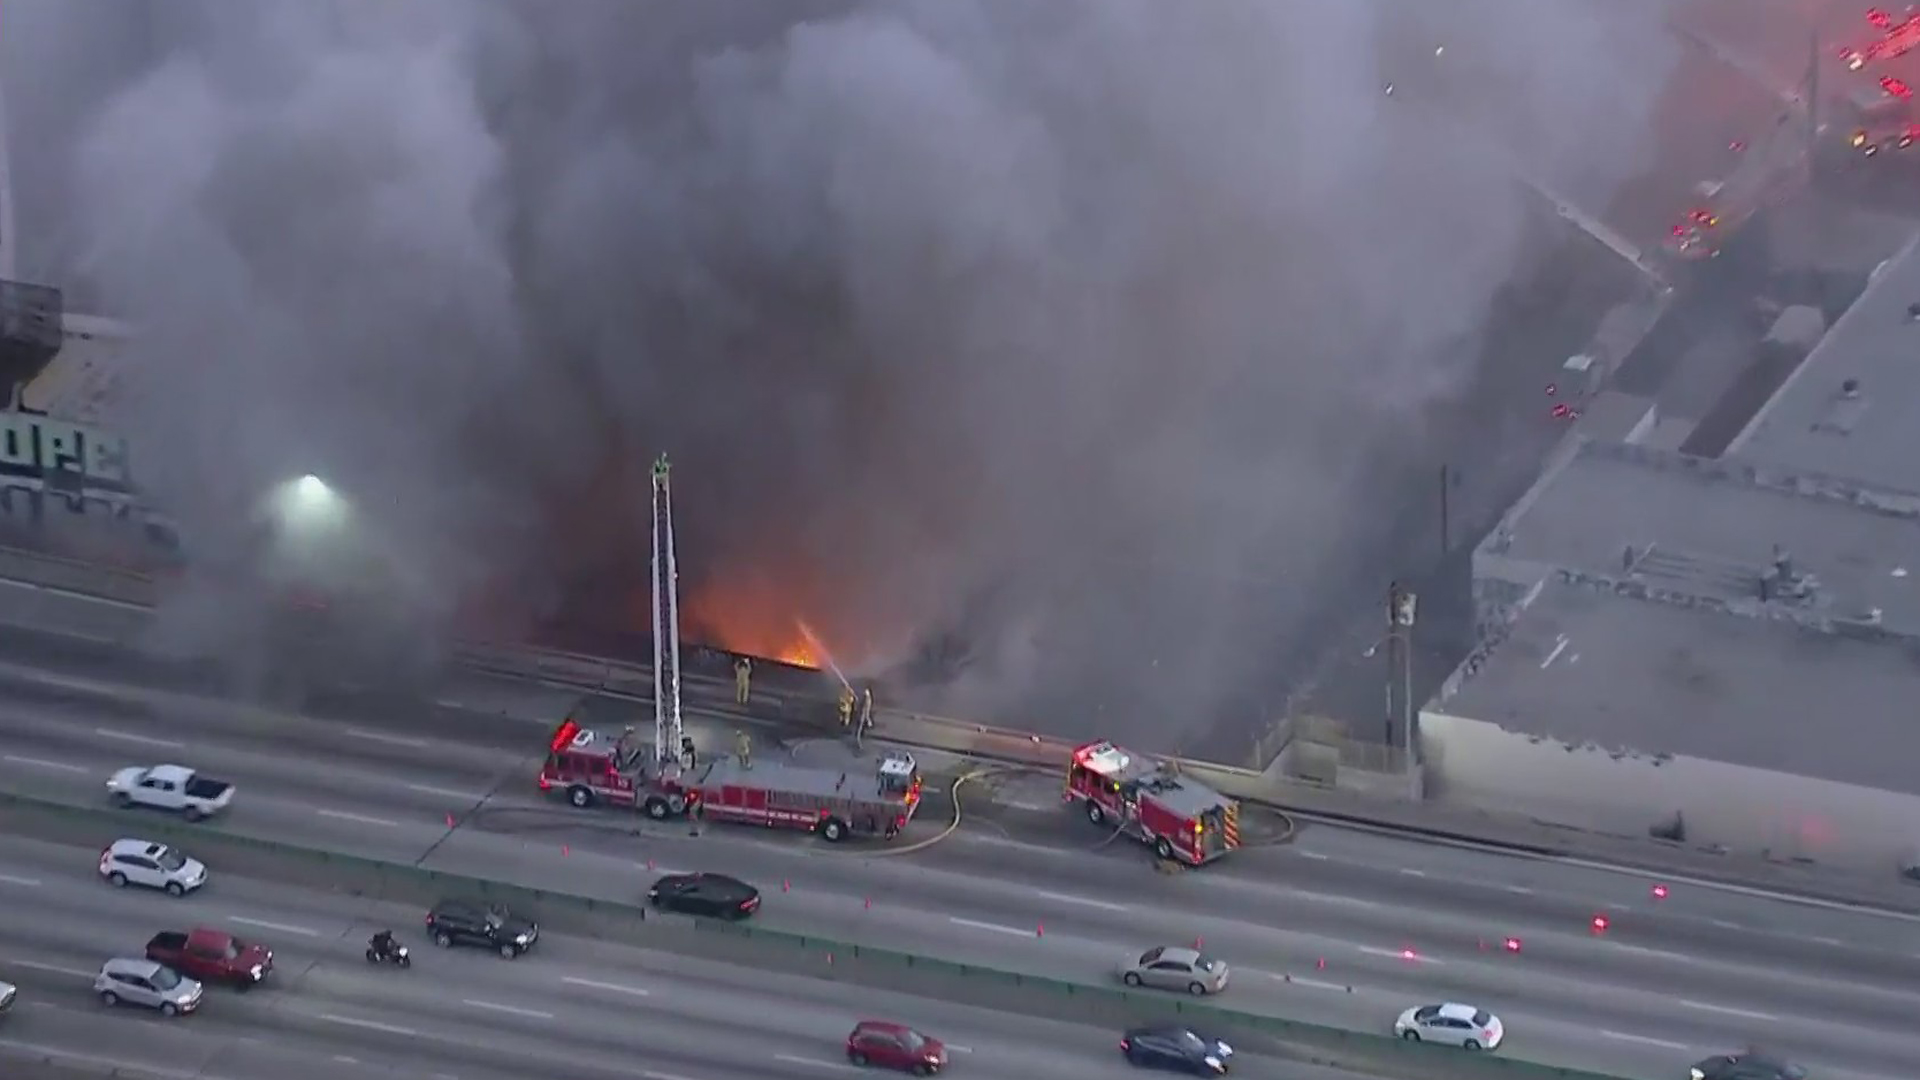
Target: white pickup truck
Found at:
x=171, y=787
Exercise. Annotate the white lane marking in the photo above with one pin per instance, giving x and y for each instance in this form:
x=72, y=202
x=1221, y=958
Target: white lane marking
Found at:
x=143, y=740
x=1619, y=907
x=1520, y=890
x=651, y=1075
x=532, y=1014
x=43, y=763
x=958, y=1049
x=1726, y=1010
x=1344, y=901
x=284, y=928
x=1558, y=648
x=1314, y=855
x=9, y=879
x=1642, y=950
x=447, y=793
x=1827, y=941
x=1725, y=924
x=995, y=927
x=1397, y=954
x=345, y=1060
x=370, y=1025
x=383, y=737
x=616, y=988
x=815, y=1062
x=1411, y=872
x=1315, y=984
x=363, y=819
x=55, y=968
x=1646, y=1039
x=1063, y=898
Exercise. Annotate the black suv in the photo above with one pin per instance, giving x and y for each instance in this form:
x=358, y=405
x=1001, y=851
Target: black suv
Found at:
x=714, y=895
x=1751, y=1065
x=492, y=926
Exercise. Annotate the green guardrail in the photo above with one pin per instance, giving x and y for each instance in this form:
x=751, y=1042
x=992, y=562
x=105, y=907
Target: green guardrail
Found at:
x=755, y=947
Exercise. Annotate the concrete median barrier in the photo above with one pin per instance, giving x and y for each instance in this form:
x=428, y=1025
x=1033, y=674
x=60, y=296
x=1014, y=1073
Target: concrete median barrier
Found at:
x=750, y=946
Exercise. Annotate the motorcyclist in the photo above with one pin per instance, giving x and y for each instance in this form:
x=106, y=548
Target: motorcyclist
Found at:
x=382, y=944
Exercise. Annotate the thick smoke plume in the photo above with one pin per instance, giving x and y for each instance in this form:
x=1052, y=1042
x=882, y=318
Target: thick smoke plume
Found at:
x=1074, y=335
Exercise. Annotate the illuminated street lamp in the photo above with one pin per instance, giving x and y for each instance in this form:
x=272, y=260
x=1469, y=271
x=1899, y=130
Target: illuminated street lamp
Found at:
x=307, y=504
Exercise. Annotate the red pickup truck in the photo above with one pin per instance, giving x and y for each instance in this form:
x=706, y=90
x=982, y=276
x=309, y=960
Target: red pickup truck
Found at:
x=211, y=956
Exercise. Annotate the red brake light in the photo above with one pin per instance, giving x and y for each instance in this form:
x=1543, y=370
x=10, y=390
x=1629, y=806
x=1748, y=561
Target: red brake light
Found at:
x=1513, y=944
x=1126, y=1044
x=1600, y=924
x=1659, y=892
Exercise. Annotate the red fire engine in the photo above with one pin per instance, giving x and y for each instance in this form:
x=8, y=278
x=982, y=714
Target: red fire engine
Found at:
x=591, y=769
x=878, y=800
x=1177, y=815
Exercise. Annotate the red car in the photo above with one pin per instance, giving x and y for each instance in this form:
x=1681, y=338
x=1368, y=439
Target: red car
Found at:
x=895, y=1046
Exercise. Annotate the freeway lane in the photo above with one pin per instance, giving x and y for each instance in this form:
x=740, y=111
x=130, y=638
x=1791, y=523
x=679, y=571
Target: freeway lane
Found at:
x=1663, y=983
x=572, y=1008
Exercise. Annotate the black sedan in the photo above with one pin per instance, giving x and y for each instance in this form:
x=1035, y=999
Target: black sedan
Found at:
x=1751, y=1065
x=715, y=896
x=1177, y=1048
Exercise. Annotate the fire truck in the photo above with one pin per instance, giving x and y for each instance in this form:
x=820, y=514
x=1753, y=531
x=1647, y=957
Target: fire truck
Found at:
x=589, y=768
x=1896, y=38
x=1176, y=815
x=876, y=800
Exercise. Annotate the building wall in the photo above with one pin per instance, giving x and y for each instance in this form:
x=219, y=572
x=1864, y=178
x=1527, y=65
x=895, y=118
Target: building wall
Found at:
x=75, y=386
x=1476, y=763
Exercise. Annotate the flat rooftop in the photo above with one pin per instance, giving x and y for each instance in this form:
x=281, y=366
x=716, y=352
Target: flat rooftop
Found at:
x=1584, y=665
x=1870, y=434
x=1704, y=531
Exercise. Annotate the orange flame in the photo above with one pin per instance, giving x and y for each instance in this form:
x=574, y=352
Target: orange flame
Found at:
x=749, y=616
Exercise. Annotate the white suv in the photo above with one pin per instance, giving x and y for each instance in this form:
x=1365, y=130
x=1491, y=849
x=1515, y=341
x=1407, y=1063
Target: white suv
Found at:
x=143, y=982
x=156, y=866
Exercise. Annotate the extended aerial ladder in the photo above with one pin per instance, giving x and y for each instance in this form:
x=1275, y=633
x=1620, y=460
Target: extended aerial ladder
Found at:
x=668, y=736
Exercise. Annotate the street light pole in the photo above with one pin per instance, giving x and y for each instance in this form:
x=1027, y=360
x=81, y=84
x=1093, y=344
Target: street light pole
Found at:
x=1402, y=607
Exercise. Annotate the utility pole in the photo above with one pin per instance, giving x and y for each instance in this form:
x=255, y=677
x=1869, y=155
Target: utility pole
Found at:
x=1446, y=509
x=1813, y=96
x=1402, y=606
x=667, y=731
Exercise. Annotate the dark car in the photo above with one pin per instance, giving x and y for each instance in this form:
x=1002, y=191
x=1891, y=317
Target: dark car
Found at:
x=1751, y=1065
x=1176, y=1048
x=895, y=1046
x=492, y=926
x=713, y=895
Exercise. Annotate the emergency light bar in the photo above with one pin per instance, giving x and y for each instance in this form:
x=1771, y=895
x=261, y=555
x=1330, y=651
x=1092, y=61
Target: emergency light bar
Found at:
x=567, y=735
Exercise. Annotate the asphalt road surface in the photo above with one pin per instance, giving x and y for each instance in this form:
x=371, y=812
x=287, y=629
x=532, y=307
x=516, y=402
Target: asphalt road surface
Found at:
x=1337, y=928
x=570, y=1008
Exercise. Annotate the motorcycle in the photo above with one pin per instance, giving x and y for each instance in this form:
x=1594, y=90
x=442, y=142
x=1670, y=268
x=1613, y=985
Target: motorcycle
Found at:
x=397, y=955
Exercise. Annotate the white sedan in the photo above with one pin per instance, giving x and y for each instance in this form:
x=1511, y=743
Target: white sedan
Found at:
x=1451, y=1024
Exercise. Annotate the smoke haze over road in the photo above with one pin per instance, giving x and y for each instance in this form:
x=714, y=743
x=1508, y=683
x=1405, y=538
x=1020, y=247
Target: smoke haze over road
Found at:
x=974, y=319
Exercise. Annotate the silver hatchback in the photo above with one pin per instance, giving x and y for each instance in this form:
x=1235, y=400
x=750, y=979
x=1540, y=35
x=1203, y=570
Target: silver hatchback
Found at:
x=1170, y=967
x=143, y=982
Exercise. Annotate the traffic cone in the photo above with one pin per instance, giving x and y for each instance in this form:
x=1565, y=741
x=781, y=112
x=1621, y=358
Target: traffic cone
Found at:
x=566, y=849
x=785, y=885
x=869, y=903
x=1040, y=930
x=449, y=821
